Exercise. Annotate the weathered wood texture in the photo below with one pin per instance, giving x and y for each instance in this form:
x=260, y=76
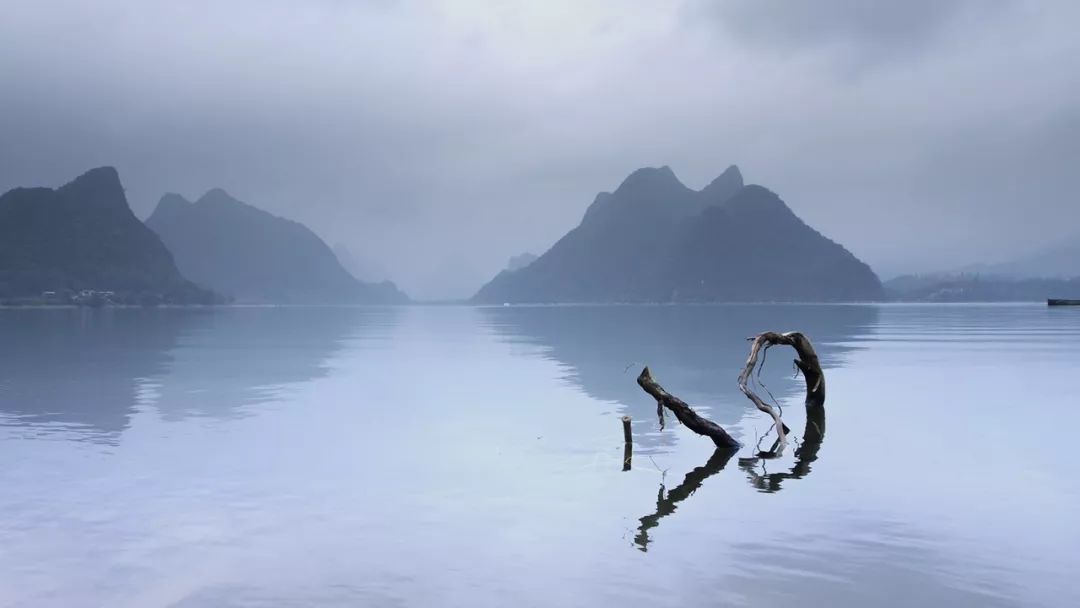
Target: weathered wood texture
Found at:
x=685, y=413
x=807, y=363
x=628, y=444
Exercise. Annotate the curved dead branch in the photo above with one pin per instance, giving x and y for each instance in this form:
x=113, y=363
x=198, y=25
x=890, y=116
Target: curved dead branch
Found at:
x=807, y=363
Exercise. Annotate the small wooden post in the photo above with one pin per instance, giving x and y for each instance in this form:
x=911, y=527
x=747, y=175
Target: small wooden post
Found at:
x=628, y=444
x=627, y=437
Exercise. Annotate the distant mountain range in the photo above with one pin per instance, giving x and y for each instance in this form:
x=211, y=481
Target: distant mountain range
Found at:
x=655, y=240
x=1060, y=260
x=253, y=256
x=82, y=238
x=979, y=288
x=651, y=240
x=1052, y=272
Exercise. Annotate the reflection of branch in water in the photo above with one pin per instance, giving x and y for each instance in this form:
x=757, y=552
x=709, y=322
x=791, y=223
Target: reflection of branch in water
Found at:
x=805, y=454
x=666, y=506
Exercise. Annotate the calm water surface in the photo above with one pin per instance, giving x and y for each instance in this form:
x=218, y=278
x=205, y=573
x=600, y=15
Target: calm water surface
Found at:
x=473, y=457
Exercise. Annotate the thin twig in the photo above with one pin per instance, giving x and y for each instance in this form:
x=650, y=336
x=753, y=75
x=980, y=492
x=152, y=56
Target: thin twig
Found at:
x=662, y=471
x=759, y=382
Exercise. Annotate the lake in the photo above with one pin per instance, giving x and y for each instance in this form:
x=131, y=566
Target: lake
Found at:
x=466, y=456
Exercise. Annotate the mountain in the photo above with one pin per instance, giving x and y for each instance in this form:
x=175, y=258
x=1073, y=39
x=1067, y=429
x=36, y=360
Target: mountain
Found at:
x=521, y=260
x=1060, y=260
x=253, y=256
x=979, y=288
x=83, y=236
x=655, y=240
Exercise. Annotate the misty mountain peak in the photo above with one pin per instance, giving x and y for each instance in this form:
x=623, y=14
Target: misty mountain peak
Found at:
x=725, y=186
x=217, y=196
x=170, y=204
x=81, y=236
x=655, y=240
x=651, y=181
x=172, y=199
x=218, y=201
x=99, y=187
x=97, y=175
x=255, y=256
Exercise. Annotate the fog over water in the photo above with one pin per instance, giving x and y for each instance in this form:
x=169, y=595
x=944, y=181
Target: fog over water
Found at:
x=457, y=456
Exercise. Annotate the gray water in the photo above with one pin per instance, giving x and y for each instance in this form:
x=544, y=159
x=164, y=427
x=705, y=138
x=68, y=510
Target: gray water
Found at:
x=474, y=457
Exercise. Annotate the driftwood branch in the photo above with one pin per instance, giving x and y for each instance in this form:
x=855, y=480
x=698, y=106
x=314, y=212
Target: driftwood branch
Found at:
x=807, y=363
x=684, y=413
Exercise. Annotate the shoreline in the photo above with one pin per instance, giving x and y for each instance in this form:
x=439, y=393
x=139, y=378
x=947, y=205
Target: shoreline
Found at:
x=466, y=304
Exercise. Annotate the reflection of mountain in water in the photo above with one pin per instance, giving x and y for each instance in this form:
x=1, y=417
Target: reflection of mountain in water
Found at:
x=89, y=370
x=242, y=356
x=696, y=352
x=81, y=367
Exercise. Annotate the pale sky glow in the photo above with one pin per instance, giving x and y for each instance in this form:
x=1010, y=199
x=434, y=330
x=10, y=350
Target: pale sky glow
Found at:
x=437, y=139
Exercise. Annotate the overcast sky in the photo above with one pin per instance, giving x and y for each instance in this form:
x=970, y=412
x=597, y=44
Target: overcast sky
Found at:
x=438, y=138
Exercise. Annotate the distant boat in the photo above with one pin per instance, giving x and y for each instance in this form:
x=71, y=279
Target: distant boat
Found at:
x=1056, y=302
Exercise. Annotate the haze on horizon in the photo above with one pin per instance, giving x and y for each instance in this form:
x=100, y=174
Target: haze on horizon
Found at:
x=438, y=139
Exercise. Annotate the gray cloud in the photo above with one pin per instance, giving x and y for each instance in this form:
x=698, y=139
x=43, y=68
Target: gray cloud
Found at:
x=859, y=31
x=439, y=138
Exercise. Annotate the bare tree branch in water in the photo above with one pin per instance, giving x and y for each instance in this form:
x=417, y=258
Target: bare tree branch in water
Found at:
x=665, y=505
x=807, y=363
x=684, y=413
x=805, y=453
